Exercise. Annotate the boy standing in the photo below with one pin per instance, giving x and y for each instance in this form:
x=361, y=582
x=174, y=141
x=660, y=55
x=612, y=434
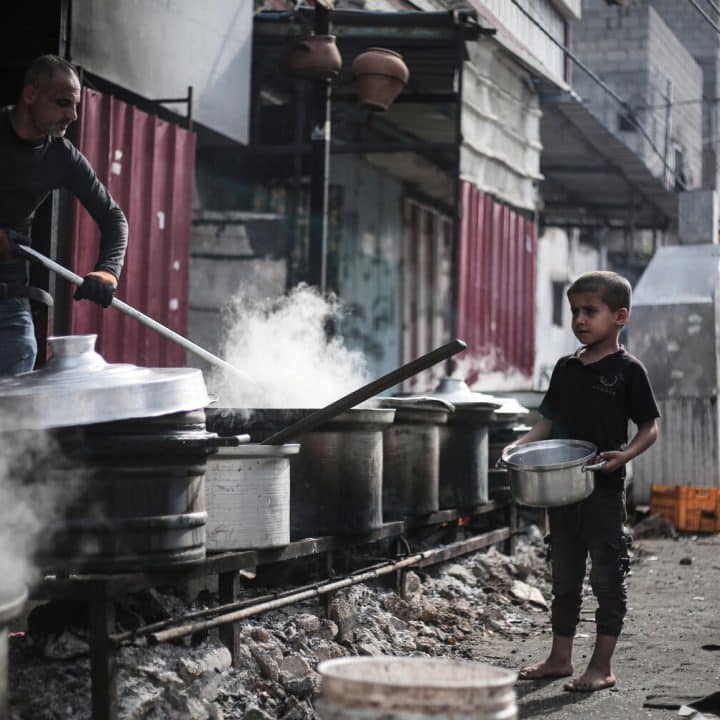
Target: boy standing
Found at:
x=591, y=396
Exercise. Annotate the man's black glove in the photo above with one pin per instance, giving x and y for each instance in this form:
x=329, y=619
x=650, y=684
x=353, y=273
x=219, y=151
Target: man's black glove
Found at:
x=96, y=290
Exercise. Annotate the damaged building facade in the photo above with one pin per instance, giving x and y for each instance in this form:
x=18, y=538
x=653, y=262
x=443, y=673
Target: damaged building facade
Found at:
x=502, y=171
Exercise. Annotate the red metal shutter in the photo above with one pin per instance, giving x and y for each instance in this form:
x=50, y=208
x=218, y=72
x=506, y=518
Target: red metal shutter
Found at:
x=496, y=285
x=147, y=164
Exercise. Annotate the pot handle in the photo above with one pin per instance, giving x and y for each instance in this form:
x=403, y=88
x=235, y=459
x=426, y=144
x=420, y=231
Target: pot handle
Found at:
x=592, y=468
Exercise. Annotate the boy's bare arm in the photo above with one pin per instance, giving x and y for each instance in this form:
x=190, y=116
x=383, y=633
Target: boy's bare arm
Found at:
x=539, y=431
x=646, y=435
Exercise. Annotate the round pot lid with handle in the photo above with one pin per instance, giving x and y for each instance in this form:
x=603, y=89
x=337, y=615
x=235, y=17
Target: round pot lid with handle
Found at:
x=457, y=392
x=510, y=411
x=418, y=409
x=77, y=387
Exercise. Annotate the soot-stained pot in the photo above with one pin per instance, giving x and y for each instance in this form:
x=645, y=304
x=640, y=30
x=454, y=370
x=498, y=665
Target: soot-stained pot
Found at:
x=121, y=452
x=411, y=457
x=336, y=479
x=130, y=494
x=464, y=445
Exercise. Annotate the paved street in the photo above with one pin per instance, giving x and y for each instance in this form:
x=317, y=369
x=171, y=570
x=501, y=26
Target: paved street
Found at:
x=674, y=612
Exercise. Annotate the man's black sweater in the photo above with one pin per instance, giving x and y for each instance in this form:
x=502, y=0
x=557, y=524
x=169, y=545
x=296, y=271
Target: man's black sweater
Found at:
x=30, y=171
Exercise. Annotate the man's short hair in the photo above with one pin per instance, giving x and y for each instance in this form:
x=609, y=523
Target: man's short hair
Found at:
x=46, y=66
x=614, y=290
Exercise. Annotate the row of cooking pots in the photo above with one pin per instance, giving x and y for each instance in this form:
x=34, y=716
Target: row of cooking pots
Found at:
x=127, y=451
x=408, y=457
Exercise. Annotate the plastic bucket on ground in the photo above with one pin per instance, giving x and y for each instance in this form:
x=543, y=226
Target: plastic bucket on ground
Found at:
x=413, y=688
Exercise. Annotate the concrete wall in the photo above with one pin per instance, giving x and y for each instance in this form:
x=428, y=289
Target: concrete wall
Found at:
x=635, y=52
x=500, y=127
x=158, y=49
x=561, y=258
x=369, y=260
x=703, y=42
x=231, y=252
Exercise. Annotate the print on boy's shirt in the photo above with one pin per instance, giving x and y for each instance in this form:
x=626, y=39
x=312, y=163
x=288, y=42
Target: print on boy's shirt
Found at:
x=610, y=384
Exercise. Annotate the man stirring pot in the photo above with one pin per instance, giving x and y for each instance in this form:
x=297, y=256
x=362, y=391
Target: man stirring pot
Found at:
x=35, y=158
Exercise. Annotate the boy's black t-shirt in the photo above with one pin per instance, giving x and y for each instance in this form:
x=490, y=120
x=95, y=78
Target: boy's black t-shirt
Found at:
x=594, y=403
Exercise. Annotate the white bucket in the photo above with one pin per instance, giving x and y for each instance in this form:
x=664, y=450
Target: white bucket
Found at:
x=247, y=493
x=414, y=688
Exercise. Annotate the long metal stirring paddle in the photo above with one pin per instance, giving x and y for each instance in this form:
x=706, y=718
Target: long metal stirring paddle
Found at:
x=143, y=319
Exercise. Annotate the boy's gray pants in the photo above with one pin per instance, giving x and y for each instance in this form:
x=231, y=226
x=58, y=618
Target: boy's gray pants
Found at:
x=594, y=528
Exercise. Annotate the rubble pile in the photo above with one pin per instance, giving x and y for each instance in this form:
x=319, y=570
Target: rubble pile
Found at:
x=446, y=611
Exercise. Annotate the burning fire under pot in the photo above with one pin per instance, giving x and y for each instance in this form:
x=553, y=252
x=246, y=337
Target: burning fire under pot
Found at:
x=127, y=460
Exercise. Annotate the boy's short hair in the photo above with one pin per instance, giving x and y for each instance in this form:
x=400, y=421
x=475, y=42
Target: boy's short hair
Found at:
x=46, y=66
x=614, y=290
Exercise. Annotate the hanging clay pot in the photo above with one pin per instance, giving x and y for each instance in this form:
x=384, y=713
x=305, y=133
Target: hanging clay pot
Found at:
x=380, y=75
x=314, y=56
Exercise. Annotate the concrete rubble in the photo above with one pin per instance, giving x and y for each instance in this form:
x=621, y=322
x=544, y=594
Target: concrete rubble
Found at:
x=446, y=611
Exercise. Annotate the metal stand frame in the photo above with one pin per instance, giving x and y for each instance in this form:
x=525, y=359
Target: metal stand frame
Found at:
x=101, y=591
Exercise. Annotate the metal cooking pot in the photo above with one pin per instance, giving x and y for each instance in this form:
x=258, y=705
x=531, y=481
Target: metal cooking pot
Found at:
x=247, y=492
x=550, y=473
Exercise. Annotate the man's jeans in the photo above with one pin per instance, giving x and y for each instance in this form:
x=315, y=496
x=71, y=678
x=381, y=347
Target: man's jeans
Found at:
x=18, y=347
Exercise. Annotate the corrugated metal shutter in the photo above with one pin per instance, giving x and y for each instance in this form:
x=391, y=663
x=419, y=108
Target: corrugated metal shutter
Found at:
x=686, y=452
x=147, y=164
x=496, y=284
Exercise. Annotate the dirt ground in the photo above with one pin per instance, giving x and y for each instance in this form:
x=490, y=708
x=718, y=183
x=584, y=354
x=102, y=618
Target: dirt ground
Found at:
x=674, y=611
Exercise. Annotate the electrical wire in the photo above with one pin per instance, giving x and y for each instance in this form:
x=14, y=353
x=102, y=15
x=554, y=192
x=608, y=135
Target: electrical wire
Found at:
x=708, y=19
x=621, y=101
x=714, y=5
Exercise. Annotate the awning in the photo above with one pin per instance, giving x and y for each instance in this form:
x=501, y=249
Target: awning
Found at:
x=592, y=179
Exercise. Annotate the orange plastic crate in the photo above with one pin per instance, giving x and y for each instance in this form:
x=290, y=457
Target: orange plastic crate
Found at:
x=665, y=501
x=689, y=508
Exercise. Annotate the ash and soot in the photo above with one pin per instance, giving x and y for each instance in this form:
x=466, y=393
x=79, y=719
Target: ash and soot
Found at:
x=286, y=347
x=449, y=611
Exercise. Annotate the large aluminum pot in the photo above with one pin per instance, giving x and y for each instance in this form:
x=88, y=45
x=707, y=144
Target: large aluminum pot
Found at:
x=411, y=459
x=550, y=473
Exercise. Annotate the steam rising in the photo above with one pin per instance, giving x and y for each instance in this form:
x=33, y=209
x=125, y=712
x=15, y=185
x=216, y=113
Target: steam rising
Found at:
x=29, y=501
x=481, y=373
x=283, y=344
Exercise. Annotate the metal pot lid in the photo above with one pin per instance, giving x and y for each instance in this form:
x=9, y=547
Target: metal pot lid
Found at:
x=257, y=451
x=417, y=402
x=457, y=392
x=77, y=387
x=510, y=406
